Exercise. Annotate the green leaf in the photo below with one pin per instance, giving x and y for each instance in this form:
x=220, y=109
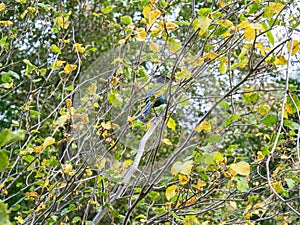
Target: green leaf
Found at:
x=272, y=9
x=6, y=76
x=55, y=49
x=46, y=7
x=204, y=11
x=76, y=219
x=107, y=10
x=159, y=211
x=290, y=183
x=29, y=67
x=175, y=45
x=7, y=136
x=214, y=138
x=269, y=120
x=154, y=194
x=242, y=184
x=15, y=208
x=33, y=112
x=69, y=88
x=3, y=160
x=224, y=105
x=28, y=158
x=115, y=99
x=208, y=159
x=3, y=43
x=269, y=33
x=4, y=215
x=126, y=19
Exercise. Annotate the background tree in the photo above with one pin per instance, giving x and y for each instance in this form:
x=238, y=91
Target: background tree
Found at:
x=224, y=149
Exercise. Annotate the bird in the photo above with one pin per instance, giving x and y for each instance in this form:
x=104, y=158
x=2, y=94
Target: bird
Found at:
x=154, y=98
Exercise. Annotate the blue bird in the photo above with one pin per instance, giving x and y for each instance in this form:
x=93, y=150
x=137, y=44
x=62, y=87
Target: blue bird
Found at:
x=158, y=101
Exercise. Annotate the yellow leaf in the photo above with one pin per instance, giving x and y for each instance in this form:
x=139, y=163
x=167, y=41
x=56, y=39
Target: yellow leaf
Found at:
x=280, y=60
x=223, y=68
x=199, y=61
x=141, y=35
x=153, y=15
x=156, y=29
x=171, y=124
x=2, y=6
x=92, y=89
x=100, y=163
x=276, y=171
x=295, y=47
x=241, y=168
x=45, y=184
x=67, y=168
x=221, y=4
x=183, y=179
x=69, y=102
x=200, y=184
x=166, y=141
x=59, y=63
x=203, y=126
x=89, y=172
x=41, y=207
x=249, y=34
x=107, y=125
x=171, y=26
x=183, y=74
x=48, y=141
x=233, y=204
x=79, y=48
x=130, y=119
x=69, y=68
x=211, y=55
x=127, y=163
x=288, y=108
x=261, y=48
x=249, y=222
x=248, y=215
x=242, y=25
x=202, y=22
x=171, y=191
x=31, y=9
x=121, y=42
x=6, y=23
x=260, y=156
x=63, y=22
x=96, y=14
x=278, y=187
x=184, y=168
x=256, y=26
x=154, y=47
x=32, y=194
x=94, y=203
x=37, y=149
x=8, y=85
x=191, y=201
x=175, y=46
x=225, y=23
x=19, y=219
x=285, y=114
x=264, y=109
x=146, y=11
x=273, y=9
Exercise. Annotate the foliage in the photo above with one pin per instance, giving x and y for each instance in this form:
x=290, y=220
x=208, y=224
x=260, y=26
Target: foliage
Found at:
x=224, y=149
